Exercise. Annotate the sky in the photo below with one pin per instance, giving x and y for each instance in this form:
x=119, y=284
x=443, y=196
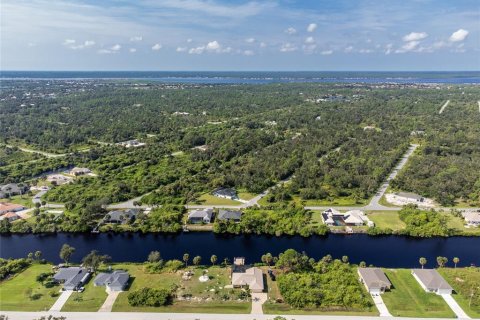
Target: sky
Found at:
x=215, y=35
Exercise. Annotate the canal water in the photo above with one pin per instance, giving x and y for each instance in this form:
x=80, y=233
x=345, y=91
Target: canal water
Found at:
x=385, y=251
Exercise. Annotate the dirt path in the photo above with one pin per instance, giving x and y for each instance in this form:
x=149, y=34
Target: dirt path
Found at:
x=443, y=107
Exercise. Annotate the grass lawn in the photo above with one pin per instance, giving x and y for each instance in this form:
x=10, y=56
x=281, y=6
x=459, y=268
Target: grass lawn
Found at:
x=346, y=202
x=316, y=218
x=386, y=219
x=16, y=293
x=208, y=199
x=408, y=299
x=463, y=280
x=246, y=195
x=459, y=224
x=24, y=200
x=206, y=296
x=89, y=300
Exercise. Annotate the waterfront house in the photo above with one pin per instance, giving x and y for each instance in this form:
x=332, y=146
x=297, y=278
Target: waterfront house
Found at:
x=472, y=218
x=79, y=171
x=6, y=207
x=200, y=216
x=374, y=280
x=431, y=281
x=247, y=276
x=333, y=217
x=114, y=281
x=119, y=216
x=227, y=193
x=72, y=277
x=231, y=215
x=10, y=216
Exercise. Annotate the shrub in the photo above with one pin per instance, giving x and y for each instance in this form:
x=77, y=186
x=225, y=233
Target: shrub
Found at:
x=173, y=265
x=150, y=297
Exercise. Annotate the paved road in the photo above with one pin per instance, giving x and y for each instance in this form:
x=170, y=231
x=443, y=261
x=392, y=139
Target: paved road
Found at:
x=12, y=315
x=454, y=306
x=382, y=308
x=108, y=304
x=128, y=204
x=443, y=107
x=58, y=305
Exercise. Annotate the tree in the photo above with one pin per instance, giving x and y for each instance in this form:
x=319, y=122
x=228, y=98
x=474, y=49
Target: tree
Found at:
x=213, y=259
x=442, y=261
x=66, y=252
x=267, y=258
x=38, y=205
x=38, y=255
x=362, y=264
x=345, y=259
x=186, y=257
x=226, y=261
x=94, y=260
x=30, y=256
x=154, y=256
x=456, y=260
x=197, y=260
x=422, y=261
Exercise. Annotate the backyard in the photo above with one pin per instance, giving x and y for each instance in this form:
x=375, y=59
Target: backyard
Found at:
x=89, y=300
x=408, y=299
x=24, y=293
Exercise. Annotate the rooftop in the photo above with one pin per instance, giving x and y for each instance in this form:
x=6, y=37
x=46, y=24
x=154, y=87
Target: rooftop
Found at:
x=431, y=279
x=374, y=278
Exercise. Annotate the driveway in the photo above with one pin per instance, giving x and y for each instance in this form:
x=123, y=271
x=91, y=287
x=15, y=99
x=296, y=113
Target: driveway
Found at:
x=382, y=308
x=58, y=305
x=258, y=299
x=454, y=306
x=108, y=304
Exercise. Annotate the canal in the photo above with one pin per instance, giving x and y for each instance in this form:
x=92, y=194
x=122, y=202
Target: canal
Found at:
x=385, y=251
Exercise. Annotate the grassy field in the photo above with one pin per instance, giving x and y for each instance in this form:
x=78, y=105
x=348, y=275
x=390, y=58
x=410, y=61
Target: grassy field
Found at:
x=89, y=300
x=206, y=296
x=24, y=200
x=465, y=281
x=246, y=195
x=408, y=299
x=346, y=202
x=208, y=199
x=458, y=224
x=16, y=293
x=386, y=219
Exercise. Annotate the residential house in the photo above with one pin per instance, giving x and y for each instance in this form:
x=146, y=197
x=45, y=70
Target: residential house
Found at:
x=72, y=277
x=200, y=216
x=231, y=215
x=247, y=276
x=59, y=179
x=374, y=280
x=131, y=143
x=431, y=281
x=10, y=216
x=226, y=193
x=333, y=217
x=12, y=189
x=114, y=281
x=79, y=171
x=122, y=216
x=6, y=207
x=472, y=218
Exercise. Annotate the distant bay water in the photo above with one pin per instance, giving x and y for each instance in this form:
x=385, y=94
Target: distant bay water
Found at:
x=256, y=77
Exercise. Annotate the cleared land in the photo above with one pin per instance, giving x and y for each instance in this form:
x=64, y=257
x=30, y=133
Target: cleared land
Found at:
x=208, y=199
x=386, y=219
x=465, y=281
x=408, y=299
x=89, y=300
x=206, y=297
x=24, y=293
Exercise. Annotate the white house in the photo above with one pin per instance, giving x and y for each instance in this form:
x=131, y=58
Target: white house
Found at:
x=200, y=216
x=431, y=281
x=472, y=218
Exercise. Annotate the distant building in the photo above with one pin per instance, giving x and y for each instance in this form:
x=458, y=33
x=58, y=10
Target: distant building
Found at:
x=59, y=179
x=333, y=217
x=431, y=281
x=247, y=276
x=72, y=277
x=404, y=198
x=226, y=193
x=417, y=133
x=374, y=280
x=120, y=216
x=12, y=189
x=131, y=144
x=369, y=128
x=6, y=207
x=229, y=215
x=472, y=218
x=200, y=216
x=115, y=281
x=79, y=171
x=10, y=216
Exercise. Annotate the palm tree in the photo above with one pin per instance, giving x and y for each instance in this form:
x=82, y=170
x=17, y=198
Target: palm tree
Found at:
x=197, y=260
x=213, y=259
x=422, y=261
x=345, y=259
x=455, y=261
x=186, y=257
x=442, y=261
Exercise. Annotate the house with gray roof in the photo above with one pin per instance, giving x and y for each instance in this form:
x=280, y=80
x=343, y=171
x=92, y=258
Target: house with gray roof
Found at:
x=374, y=280
x=121, y=216
x=472, y=218
x=72, y=277
x=232, y=215
x=114, y=281
x=12, y=189
x=200, y=216
x=431, y=281
x=227, y=193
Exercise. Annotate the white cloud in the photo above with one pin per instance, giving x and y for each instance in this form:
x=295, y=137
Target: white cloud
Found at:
x=156, y=47
x=104, y=51
x=263, y=45
x=365, y=51
x=182, y=49
x=310, y=40
x=250, y=40
x=116, y=47
x=89, y=43
x=388, y=48
x=72, y=44
x=459, y=35
x=326, y=52
x=136, y=38
x=348, y=49
x=409, y=46
x=309, y=48
x=288, y=47
x=132, y=50
x=197, y=50
x=69, y=42
x=415, y=36
x=291, y=30
x=189, y=40
x=248, y=53
x=213, y=46
x=311, y=27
